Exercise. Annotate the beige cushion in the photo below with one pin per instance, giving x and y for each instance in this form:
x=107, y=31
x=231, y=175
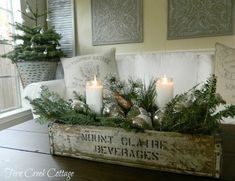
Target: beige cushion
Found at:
x=78, y=70
x=225, y=72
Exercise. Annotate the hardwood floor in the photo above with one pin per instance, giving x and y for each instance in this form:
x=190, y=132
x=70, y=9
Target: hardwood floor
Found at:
x=24, y=156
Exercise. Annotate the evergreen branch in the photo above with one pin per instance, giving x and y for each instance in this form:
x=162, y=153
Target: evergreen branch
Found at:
x=31, y=10
x=23, y=28
x=30, y=17
x=43, y=14
x=50, y=106
x=79, y=97
x=209, y=88
x=118, y=123
x=229, y=111
x=194, y=111
x=146, y=98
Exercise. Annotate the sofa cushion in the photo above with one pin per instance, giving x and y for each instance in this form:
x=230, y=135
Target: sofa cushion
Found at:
x=125, y=65
x=225, y=72
x=181, y=66
x=79, y=69
x=206, y=62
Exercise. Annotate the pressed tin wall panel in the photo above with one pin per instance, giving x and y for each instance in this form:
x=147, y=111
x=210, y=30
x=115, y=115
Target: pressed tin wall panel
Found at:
x=61, y=17
x=199, y=18
x=116, y=21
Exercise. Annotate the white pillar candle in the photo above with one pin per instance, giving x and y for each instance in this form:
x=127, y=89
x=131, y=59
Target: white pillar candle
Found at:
x=164, y=89
x=94, y=95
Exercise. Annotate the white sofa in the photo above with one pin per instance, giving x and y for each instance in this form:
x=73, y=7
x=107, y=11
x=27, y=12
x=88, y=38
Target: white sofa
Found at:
x=186, y=68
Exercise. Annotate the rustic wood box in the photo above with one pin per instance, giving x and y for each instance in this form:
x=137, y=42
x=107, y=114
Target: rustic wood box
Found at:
x=166, y=151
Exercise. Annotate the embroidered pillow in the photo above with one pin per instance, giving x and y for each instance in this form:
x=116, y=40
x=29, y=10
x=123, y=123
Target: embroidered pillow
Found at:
x=80, y=69
x=225, y=72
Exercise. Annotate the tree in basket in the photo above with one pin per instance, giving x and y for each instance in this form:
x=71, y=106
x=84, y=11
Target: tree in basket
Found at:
x=37, y=55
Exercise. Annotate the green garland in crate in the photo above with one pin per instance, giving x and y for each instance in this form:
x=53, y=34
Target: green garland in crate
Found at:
x=50, y=106
x=193, y=112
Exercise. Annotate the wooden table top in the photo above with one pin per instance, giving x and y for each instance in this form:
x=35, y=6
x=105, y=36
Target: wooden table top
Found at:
x=25, y=156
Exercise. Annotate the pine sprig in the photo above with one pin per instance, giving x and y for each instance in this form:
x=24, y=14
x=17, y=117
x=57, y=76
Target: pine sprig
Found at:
x=146, y=98
x=195, y=111
x=128, y=90
x=228, y=111
x=124, y=93
x=117, y=123
x=79, y=97
x=50, y=106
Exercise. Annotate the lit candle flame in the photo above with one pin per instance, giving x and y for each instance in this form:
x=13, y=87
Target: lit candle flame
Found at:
x=95, y=81
x=164, y=79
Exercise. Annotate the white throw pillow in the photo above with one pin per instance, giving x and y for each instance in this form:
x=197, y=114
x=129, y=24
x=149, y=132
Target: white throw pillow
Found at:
x=80, y=69
x=225, y=72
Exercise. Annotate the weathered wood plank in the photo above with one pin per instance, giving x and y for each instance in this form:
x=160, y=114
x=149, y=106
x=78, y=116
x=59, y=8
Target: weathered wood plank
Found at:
x=199, y=155
x=28, y=141
x=228, y=138
x=228, y=167
x=31, y=126
x=228, y=129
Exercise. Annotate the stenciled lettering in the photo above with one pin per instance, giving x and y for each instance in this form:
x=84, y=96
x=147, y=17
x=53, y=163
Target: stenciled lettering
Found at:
x=157, y=144
x=140, y=148
x=129, y=153
x=99, y=138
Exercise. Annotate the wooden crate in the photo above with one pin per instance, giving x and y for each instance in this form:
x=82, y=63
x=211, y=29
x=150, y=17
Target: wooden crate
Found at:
x=166, y=151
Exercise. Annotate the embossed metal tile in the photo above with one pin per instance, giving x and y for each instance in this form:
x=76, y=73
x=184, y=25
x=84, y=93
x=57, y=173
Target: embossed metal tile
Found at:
x=199, y=18
x=116, y=21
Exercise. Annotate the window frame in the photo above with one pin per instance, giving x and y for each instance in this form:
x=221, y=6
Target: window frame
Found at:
x=15, y=76
x=10, y=11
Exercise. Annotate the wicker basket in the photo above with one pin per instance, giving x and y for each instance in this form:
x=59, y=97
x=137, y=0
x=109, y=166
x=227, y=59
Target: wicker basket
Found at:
x=36, y=71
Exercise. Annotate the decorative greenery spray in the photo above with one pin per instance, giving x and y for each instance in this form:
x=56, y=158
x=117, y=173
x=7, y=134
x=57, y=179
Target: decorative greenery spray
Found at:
x=194, y=112
x=121, y=92
x=132, y=92
x=50, y=106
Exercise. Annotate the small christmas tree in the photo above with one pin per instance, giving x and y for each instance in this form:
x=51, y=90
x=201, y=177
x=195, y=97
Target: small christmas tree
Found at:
x=38, y=42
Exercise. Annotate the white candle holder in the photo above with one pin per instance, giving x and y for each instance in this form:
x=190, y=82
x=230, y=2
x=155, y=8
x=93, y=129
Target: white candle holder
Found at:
x=164, y=89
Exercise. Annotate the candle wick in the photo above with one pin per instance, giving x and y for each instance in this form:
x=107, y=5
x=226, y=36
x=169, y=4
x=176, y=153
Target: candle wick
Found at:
x=164, y=80
x=95, y=81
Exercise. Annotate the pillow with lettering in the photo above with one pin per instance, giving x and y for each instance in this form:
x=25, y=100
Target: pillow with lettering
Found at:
x=80, y=69
x=225, y=72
